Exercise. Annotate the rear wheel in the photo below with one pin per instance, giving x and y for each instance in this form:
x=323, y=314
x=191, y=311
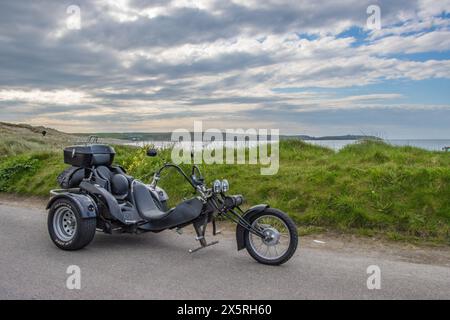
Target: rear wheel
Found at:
x=280, y=237
x=67, y=229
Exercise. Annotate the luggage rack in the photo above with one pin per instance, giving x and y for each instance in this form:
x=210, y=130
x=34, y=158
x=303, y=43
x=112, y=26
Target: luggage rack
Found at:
x=92, y=139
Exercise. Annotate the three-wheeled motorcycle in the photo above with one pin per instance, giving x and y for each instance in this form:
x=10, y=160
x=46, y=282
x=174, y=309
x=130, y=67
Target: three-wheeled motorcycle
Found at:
x=97, y=195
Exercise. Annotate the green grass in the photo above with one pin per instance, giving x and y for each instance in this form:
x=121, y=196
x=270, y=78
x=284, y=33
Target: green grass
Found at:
x=369, y=188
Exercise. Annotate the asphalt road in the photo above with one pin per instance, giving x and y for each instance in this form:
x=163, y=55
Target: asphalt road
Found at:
x=158, y=266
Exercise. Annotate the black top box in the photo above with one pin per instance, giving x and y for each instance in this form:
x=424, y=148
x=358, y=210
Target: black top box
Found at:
x=89, y=155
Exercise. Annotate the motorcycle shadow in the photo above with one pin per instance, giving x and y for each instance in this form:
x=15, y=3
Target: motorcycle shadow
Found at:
x=149, y=242
x=166, y=243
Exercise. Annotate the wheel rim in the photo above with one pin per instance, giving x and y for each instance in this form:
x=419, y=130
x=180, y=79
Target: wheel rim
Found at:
x=64, y=223
x=277, y=240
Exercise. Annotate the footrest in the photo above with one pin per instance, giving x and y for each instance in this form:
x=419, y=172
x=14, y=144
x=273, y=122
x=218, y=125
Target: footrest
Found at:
x=202, y=247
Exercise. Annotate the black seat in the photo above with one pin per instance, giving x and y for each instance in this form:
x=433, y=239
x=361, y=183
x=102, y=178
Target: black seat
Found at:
x=119, y=186
x=145, y=204
x=116, y=183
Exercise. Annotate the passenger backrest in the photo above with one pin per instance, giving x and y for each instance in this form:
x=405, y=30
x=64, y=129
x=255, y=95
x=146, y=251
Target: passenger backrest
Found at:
x=119, y=186
x=116, y=183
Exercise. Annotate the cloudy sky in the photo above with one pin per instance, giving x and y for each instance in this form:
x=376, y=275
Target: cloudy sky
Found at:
x=306, y=67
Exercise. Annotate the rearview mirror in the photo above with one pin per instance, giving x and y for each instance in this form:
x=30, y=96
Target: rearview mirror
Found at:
x=152, y=152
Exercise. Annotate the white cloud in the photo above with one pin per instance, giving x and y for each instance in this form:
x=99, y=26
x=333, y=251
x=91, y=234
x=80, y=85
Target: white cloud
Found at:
x=434, y=41
x=427, y=8
x=36, y=96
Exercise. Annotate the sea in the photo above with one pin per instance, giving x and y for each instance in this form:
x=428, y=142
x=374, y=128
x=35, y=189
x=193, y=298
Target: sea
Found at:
x=427, y=144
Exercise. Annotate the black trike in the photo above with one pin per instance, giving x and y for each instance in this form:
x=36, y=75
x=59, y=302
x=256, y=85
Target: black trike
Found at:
x=96, y=195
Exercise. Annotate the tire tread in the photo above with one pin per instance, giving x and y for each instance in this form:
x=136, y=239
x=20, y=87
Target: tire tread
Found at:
x=86, y=228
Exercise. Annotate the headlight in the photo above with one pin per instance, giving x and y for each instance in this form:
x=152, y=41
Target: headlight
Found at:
x=225, y=185
x=217, y=186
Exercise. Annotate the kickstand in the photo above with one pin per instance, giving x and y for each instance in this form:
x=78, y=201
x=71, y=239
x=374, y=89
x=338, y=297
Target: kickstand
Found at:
x=203, y=246
x=200, y=229
x=215, y=231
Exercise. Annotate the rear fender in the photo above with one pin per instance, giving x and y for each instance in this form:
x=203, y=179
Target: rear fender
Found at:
x=85, y=205
x=240, y=230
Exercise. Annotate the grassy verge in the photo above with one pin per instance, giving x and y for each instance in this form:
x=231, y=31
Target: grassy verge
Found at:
x=367, y=188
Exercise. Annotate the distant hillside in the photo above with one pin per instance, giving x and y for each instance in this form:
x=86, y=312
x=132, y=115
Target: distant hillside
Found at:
x=20, y=128
x=18, y=138
x=132, y=136
x=166, y=136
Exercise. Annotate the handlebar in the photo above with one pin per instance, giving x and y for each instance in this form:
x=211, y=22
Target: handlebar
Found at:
x=222, y=204
x=193, y=182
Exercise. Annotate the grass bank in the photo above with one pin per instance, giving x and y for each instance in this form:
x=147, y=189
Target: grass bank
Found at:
x=369, y=188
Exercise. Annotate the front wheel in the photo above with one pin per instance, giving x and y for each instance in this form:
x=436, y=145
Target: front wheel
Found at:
x=280, y=237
